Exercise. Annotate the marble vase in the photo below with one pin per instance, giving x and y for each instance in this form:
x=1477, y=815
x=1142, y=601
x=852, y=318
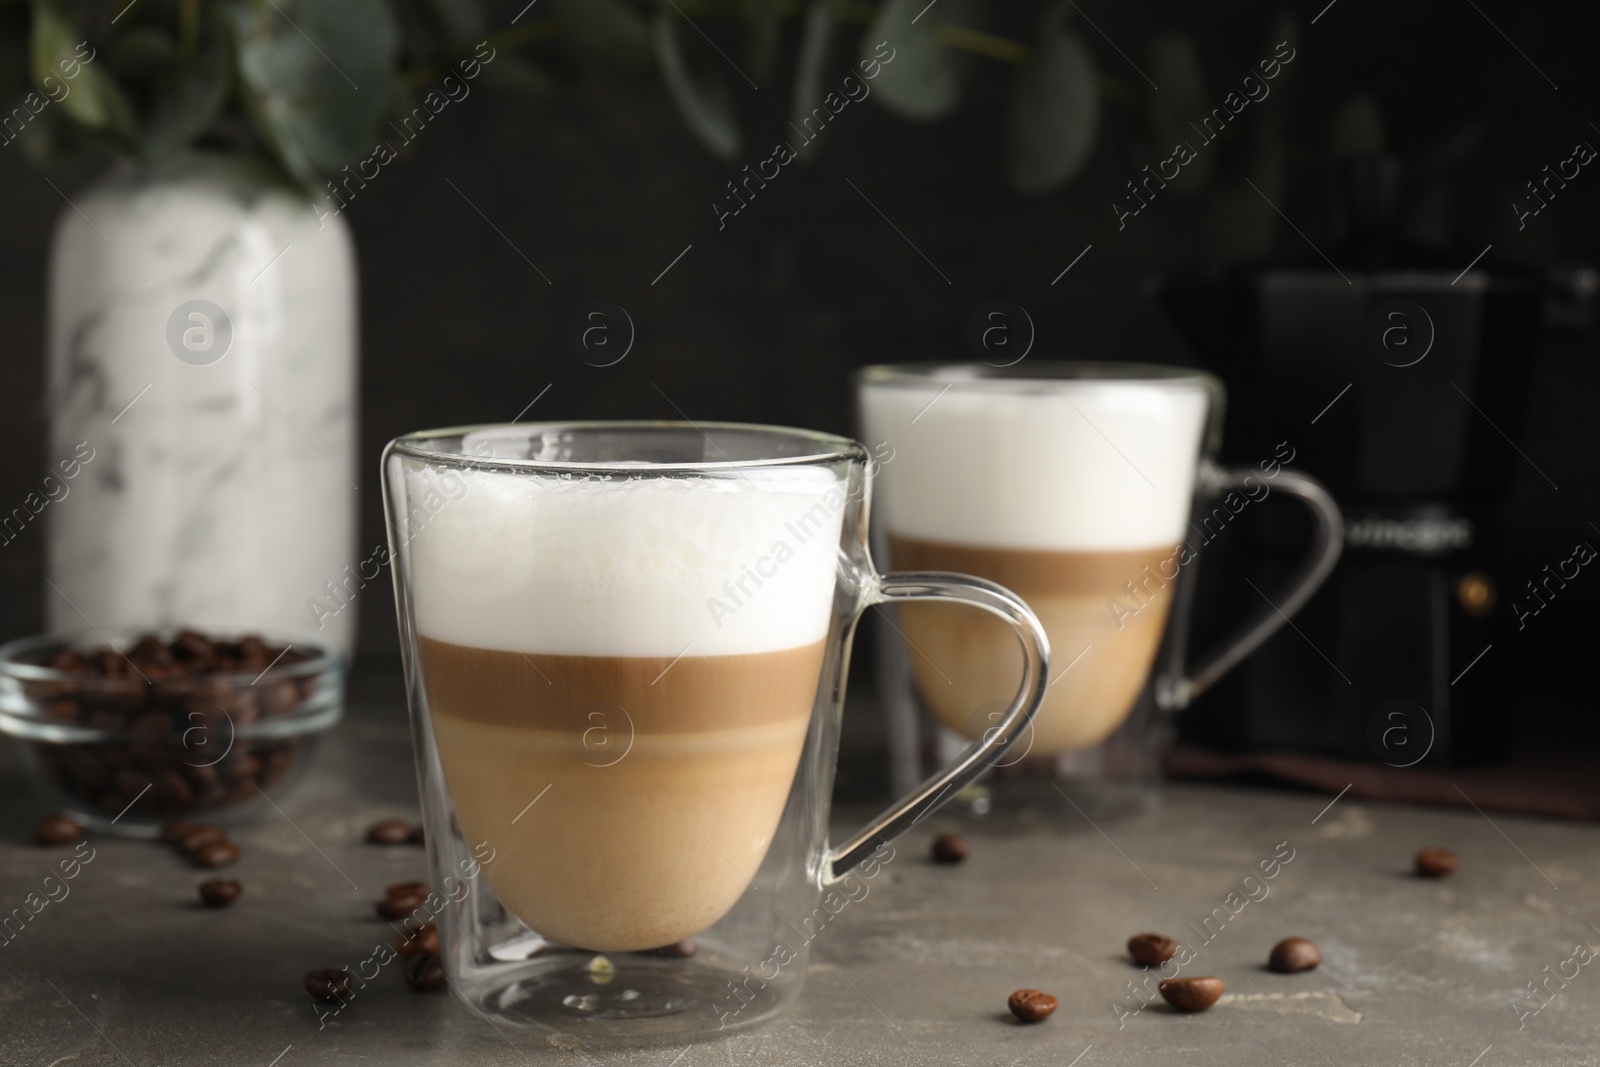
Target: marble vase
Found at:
x=202, y=376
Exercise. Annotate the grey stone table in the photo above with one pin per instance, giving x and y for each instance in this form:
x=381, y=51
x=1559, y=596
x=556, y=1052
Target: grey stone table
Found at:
x=127, y=969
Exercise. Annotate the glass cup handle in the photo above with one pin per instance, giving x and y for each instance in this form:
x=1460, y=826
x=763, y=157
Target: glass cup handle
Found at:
x=1174, y=692
x=978, y=756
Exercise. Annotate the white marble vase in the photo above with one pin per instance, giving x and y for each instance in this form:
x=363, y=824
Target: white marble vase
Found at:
x=202, y=389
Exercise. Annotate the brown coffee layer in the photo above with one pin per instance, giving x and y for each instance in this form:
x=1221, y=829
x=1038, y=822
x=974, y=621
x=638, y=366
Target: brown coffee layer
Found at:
x=657, y=694
x=1040, y=572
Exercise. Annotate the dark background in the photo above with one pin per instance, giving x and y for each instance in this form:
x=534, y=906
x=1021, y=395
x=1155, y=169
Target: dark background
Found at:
x=602, y=186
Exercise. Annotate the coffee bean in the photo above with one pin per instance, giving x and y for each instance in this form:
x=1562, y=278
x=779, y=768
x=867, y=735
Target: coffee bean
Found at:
x=418, y=835
x=1192, y=994
x=1293, y=955
x=1151, y=949
x=407, y=889
x=173, y=830
x=199, y=836
x=392, y=908
x=426, y=941
x=220, y=892
x=217, y=854
x=1031, y=1005
x=1436, y=862
x=425, y=973
x=950, y=848
x=328, y=984
x=388, y=832
x=56, y=830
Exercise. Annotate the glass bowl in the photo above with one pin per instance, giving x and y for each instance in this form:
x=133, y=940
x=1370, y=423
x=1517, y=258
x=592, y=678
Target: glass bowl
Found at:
x=127, y=729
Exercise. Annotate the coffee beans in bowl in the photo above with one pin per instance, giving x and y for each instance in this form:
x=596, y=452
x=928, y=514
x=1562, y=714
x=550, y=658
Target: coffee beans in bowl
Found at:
x=1151, y=949
x=1293, y=955
x=1031, y=1005
x=133, y=730
x=1436, y=862
x=1192, y=994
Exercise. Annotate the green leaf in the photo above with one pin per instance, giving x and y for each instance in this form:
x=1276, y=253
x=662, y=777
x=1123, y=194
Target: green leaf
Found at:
x=138, y=51
x=1054, y=114
x=763, y=32
x=920, y=81
x=1357, y=128
x=1174, y=110
x=186, y=98
x=458, y=20
x=699, y=90
x=607, y=31
x=317, y=77
x=519, y=74
x=816, y=46
x=94, y=100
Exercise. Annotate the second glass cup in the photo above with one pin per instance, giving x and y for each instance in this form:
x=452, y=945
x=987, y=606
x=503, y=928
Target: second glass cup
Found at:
x=1071, y=484
x=625, y=649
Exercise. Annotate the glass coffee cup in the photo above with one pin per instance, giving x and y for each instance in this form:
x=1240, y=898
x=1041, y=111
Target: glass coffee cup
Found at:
x=1089, y=490
x=625, y=648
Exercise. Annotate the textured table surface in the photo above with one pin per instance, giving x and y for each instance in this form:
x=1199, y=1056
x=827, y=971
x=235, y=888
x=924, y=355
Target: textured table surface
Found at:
x=127, y=969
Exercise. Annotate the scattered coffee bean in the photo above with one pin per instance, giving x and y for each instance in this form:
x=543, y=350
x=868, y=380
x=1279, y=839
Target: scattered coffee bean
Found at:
x=220, y=892
x=388, y=832
x=424, y=941
x=173, y=831
x=425, y=973
x=1151, y=949
x=392, y=908
x=216, y=854
x=1293, y=955
x=198, y=837
x=407, y=889
x=1436, y=862
x=56, y=830
x=328, y=984
x=950, y=848
x=418, y=835
x=1031, y=1005
x=1192, y=994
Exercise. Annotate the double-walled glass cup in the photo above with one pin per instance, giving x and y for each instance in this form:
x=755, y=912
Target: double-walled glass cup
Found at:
x=1088, y=489
x=625, y=648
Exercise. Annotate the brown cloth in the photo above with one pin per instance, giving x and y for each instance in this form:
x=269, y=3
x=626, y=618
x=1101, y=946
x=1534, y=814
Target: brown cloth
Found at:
x=1542, y=785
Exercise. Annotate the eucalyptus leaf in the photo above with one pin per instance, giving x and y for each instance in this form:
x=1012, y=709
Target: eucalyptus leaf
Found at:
x=458, y=20
x=921, y=81
x=140, y=50
x=816, y=47
x=519, y=74
x=763, y=32
x=1054, y=114
x=1174, y=110
x=607, y=31
x=186, y=98
x=316, y=75
x=94, y=102
x=1356, y=128
x=700, y=91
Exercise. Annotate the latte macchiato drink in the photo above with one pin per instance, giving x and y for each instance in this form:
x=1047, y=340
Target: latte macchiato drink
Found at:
x=1072, y=493
x=620, y=675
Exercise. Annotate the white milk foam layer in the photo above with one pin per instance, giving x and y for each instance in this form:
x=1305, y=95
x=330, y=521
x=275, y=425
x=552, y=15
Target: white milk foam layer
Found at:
x=703, y=566
x=1097, y=465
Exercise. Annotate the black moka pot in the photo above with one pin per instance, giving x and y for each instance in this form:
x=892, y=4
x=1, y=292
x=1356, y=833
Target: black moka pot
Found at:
x=1398, y=376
